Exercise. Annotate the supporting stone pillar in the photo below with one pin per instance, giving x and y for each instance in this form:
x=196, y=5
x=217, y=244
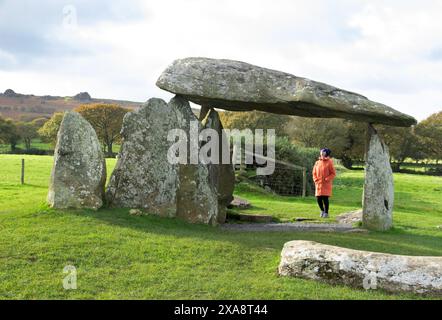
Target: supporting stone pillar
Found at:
x=222, y=175
x=378, y=195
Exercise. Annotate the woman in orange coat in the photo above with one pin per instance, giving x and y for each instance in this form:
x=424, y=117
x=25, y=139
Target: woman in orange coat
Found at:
x=323, y=175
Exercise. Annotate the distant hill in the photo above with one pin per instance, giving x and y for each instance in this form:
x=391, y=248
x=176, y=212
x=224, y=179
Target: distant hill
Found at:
x=27, y=107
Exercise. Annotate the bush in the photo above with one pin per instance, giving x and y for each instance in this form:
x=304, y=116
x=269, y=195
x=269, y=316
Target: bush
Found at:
x=435, y=171
x=32, y=151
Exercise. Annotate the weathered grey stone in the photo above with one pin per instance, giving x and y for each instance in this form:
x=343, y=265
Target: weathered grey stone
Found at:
x=239, y=86
x=350, y=217
x=144, y=178
x=79, y=171
x=240, y=203
x=197, y=200
x=363, y=269
x=135, y=212
x=222, y=175
x=378, y=195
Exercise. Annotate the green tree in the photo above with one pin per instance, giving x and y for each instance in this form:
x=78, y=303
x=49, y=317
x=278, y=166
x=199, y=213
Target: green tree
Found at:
x=107, y=120
x=356, y=132
x=430, y=133
x=27, y=132
x=402, y=142
x=345, y=138
x=9, y=133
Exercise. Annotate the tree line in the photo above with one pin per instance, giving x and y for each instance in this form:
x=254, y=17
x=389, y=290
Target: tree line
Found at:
x=347, y=138
x=106, y=119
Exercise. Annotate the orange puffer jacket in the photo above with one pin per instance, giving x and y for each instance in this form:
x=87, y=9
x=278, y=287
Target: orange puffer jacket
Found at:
x=323, y=175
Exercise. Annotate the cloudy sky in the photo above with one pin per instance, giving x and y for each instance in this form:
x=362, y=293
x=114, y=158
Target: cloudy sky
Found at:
x=389, y=51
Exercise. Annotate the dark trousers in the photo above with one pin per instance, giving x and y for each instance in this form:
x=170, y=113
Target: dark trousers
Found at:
x=323, y=203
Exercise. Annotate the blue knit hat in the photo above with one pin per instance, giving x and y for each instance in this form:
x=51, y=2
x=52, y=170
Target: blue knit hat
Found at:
x=327, y=151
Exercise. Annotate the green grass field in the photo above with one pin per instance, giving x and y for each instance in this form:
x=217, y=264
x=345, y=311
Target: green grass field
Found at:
x=40, y=145
x=35, y=144
x=119, y=256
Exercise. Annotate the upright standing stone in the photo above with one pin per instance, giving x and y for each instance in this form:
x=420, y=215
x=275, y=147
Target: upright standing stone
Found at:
x=143, y=178
x=79, y=171
x=378, y=193
x=197, y=200
x=222, y=174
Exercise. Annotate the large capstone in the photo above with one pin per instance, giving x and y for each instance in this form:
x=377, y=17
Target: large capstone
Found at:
x=239, y=86
x=79, y=171
x=222, y=175
x=378, y=195
x=362, y=269
x=144, y=176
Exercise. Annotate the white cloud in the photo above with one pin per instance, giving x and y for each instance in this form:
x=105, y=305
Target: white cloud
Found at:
x=7, y=59
x=390, y=52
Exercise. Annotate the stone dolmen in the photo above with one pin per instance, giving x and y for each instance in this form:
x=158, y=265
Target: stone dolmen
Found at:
x=200, y=192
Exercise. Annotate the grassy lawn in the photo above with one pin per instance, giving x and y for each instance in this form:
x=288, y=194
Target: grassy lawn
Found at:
x=35, y=144
x=128, y=257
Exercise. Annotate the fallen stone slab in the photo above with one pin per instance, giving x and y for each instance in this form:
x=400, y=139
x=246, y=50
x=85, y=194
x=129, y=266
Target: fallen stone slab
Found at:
x=294, y=227
x=135, y=212
x=256, y=218
x=351, y=217
x=239, y=203
x=300, y=219
x=239, y=86
x=362, y=269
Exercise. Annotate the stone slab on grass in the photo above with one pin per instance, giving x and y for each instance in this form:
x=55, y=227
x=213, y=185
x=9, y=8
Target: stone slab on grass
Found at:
x=362, y=269
x=350, y=217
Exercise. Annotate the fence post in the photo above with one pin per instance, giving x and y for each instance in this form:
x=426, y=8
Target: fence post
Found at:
x=304, y=182
x=22, y=171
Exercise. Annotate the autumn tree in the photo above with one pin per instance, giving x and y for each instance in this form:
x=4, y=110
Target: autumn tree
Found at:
x=107, y=120
x=48, y=132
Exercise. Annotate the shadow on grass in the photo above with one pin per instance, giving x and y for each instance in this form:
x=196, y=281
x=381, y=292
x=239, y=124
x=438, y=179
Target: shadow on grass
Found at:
x=397, y=241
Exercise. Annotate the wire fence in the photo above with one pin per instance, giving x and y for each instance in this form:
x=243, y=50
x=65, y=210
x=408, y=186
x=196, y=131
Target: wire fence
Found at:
x=287, y=179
